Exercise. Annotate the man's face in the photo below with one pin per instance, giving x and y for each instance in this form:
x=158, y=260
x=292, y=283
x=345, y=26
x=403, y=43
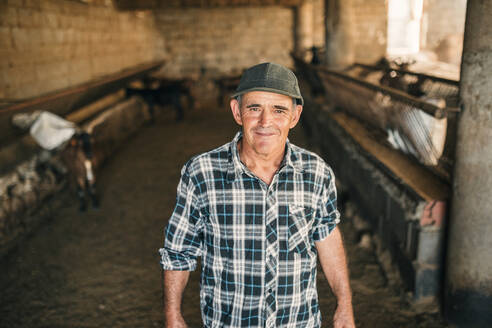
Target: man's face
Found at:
x=266, y=119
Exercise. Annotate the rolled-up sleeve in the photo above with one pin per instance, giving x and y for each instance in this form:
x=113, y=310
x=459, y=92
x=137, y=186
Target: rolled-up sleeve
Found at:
x=183, y=234
x=327, y=216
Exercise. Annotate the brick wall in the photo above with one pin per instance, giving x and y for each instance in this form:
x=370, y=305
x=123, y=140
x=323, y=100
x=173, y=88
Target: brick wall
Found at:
x=370, y=30
x=224, y=40
x=48, y=45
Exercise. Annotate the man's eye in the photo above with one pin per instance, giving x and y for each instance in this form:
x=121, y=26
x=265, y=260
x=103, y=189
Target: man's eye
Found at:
x=254, y=109
x=279, y=111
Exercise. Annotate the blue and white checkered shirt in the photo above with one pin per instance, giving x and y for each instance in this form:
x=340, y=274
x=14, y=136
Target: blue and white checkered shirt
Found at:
x=256, y=240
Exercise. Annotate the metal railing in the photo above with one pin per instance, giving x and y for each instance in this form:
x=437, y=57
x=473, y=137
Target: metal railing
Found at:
x=432, y=86
x=413, y=125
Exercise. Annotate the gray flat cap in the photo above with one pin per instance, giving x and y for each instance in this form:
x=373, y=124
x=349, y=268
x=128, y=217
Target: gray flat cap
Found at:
x=270, y=77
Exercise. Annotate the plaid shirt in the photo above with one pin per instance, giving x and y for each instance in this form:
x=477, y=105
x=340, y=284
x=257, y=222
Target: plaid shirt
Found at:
x=256, y=240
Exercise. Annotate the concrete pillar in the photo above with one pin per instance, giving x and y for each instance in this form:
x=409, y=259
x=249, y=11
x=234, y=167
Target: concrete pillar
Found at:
x=339, y=19
x=468, y=298
x=304, y=29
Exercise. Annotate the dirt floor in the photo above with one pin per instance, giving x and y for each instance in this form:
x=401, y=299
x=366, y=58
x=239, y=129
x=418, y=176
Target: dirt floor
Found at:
x=101, y=268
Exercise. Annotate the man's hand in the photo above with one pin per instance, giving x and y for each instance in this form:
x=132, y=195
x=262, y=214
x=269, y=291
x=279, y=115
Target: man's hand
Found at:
x=344, y=317
x=175, y=321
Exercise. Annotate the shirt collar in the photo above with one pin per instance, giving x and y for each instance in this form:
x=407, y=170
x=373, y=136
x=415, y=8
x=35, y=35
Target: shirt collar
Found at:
x=236, y=167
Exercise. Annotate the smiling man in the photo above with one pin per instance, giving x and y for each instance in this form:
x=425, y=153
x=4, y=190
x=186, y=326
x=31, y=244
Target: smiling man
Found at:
x=259, y=211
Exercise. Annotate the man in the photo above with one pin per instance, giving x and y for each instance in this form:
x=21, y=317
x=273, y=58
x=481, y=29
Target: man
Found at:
x=259, y=211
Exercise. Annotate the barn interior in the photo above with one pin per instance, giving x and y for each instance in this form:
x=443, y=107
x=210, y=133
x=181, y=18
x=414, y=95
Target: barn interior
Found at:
x=397, y=102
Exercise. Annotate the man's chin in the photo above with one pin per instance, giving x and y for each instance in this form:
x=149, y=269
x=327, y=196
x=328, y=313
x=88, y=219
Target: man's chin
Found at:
x=265, y=148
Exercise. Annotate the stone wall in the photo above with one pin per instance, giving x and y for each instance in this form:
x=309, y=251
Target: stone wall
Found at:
x=370, y=30
x=224, y=41
x=49, y=45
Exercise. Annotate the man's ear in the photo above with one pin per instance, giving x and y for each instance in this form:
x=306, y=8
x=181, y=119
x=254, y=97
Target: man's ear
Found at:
x=296, y=116
x=236, y=111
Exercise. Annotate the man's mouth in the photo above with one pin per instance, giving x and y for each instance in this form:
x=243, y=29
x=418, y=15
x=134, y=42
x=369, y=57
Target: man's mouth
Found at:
x=264, y=133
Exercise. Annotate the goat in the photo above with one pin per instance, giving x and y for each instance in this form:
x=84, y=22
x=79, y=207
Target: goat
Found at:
x=167, y=92
x=78, y=158
x=392, y=76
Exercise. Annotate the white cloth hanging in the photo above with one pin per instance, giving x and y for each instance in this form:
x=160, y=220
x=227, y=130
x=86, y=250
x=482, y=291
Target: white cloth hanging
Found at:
x=50, y=131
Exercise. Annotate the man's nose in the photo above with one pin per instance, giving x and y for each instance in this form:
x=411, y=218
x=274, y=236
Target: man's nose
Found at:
x=265, y=117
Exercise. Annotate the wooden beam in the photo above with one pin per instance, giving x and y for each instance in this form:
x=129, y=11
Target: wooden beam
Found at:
x=423, y=182
x=163, y=4
x=64, y=101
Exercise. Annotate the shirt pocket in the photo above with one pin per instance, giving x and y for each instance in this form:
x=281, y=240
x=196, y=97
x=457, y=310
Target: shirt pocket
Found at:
x=299, y=229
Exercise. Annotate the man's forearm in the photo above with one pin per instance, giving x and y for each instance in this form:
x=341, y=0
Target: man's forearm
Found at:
x=331, y=254
x=174, y=285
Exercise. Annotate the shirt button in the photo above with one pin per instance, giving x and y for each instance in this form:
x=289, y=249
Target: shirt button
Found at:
x=269, y=290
